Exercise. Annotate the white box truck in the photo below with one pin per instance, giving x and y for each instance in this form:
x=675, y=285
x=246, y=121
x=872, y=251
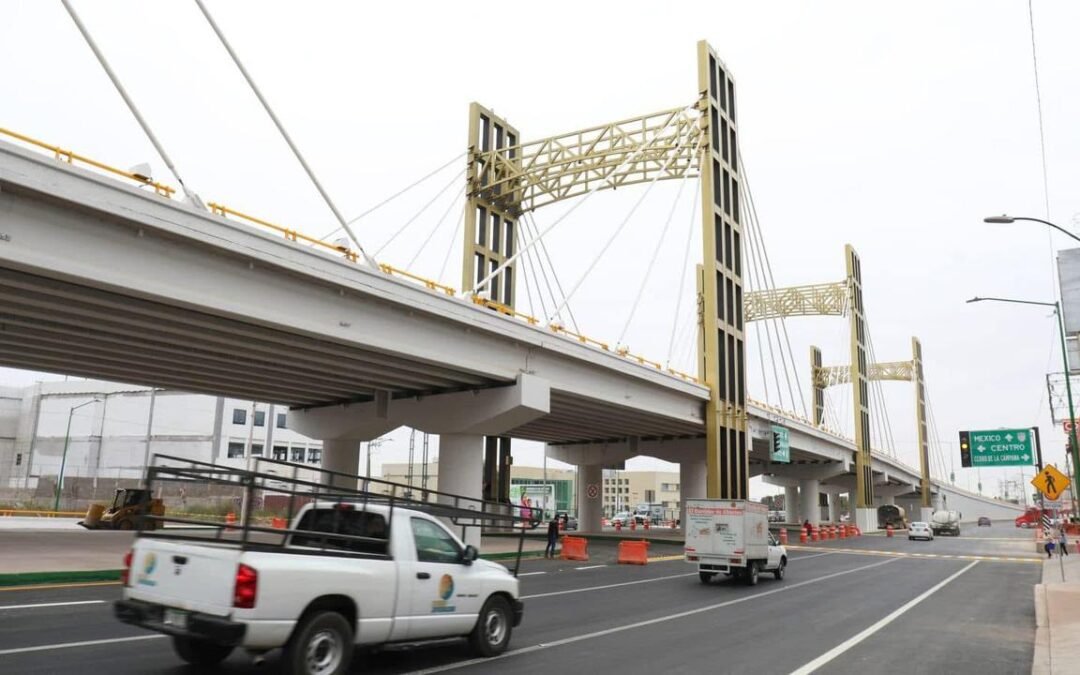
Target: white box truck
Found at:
x=732, y=537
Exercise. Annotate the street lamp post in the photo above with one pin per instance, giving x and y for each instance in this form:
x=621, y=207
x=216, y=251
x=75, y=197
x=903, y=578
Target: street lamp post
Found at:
x=1075, y=447
x=63, y=460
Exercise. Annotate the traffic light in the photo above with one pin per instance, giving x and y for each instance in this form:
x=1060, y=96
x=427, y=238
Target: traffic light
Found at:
x=965, y=449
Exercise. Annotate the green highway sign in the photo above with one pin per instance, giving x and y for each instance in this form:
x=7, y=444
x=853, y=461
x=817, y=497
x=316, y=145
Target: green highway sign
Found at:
x=997, y=447
x=780, y=448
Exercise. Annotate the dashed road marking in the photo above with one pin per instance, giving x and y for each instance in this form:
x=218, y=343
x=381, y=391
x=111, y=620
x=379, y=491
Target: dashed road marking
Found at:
x=590, y=567
x=530, y=574
x=53, y=604
x=86, y=643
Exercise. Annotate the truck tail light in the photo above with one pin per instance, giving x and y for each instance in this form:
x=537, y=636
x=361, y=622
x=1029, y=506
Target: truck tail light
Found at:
x=247, y=586
x=125, y=573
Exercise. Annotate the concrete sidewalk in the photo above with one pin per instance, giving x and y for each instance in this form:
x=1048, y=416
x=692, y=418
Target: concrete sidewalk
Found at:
x=1057, y=616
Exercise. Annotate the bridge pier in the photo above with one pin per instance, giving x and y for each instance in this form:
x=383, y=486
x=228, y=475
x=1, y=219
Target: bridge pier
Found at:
x=809, y=501
x=590, y=492
x=692, y=482
x=791, y=504
x=461, y=472
x=343, y=456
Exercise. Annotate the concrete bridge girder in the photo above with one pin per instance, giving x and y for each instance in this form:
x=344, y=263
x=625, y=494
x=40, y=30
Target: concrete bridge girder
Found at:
x=485, y=412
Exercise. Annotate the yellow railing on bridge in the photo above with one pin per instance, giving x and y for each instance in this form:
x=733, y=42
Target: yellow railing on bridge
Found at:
x=350, y=255
x=71, y=157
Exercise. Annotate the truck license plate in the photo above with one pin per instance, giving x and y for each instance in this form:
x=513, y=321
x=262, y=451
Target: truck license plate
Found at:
x=177, y=618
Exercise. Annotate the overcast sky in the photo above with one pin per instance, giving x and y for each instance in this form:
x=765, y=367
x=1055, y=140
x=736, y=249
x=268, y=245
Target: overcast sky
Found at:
x=895, y=128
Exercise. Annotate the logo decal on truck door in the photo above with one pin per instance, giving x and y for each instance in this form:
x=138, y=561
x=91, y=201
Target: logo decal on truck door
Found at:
x=149, y=563
x=446, y=591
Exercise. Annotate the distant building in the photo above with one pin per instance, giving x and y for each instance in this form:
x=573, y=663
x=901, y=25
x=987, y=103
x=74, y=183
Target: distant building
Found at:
x=624, y=490
x=563, y=481
x=117, y=427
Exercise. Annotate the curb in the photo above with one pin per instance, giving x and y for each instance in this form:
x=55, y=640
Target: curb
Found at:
x=74, y=576
x=509, y=555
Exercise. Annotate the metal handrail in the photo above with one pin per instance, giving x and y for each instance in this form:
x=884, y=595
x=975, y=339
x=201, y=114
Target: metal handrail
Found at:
x=71, y=157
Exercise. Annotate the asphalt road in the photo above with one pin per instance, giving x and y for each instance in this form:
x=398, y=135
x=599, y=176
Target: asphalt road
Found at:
x=853, y=606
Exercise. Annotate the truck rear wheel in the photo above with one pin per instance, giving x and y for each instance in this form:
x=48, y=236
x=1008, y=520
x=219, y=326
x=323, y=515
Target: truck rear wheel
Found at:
x=321, y=645
x=706, y=577
x=751, y=573
x=200, y=652
x=491, y=635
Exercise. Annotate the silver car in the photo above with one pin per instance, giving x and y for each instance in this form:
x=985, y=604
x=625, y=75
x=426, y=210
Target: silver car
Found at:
x=920, y=530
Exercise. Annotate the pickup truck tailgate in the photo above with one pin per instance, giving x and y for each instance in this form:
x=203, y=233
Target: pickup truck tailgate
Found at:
x=195, y=577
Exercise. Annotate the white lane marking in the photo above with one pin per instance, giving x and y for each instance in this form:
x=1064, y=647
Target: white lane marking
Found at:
x=848, y=644
x=530, y=574
x=606, y=586
x=648, y=622
x=807, y=557
x=53, y=604
x=86, y=643
x=590, y=567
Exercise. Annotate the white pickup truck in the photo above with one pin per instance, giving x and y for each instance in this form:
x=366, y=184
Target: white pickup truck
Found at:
x=732, y=537
x=347, y=574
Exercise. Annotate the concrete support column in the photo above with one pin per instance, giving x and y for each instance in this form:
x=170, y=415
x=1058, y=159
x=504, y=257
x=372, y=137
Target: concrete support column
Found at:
x=590, y=498
x=461, y=473
x=341, y=455
x=833, y=510
x=888, y=499
x=851, y=507
x=809, y=489
x=791, y=504
x=692, y=485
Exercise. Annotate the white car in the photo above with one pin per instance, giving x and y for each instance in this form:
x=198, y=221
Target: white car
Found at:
x=622, y=519
x=920, y=530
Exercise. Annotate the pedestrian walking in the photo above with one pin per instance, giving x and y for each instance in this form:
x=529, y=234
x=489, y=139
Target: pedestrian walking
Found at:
x=553, y=537
x=1063, y=541
x=1049, y=548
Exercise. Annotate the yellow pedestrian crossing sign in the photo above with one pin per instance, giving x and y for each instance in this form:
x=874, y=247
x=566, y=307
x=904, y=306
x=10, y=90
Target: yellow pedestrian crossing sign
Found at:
x=1051, y=482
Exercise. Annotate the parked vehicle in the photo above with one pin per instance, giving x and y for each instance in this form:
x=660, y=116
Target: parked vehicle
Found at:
x=920, y=530
x=732, y=537
x=571, y=521
x=362, y=568
x=946, y=522
x=126, y=512
x=654, y=513
x=891, y=515
x=621, y=519
x=984, y=521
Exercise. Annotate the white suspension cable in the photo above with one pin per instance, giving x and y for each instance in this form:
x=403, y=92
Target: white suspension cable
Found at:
x=438, y=225
x=524, y=273
x=577, y=204
x=756, y=268
x=540, y=253
x=618, y=230
x=284, y=134
x=419, y=213
x=453, y=241
x=396, y=194
x=772, y=280
x=191, y=196
x=652, y=262
x=537, y=269
x=685, y=269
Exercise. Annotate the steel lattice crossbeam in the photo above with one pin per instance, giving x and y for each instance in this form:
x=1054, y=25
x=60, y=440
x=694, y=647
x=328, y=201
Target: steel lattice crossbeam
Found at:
x=525, y=177
x=897, y=371
x=814, y=300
